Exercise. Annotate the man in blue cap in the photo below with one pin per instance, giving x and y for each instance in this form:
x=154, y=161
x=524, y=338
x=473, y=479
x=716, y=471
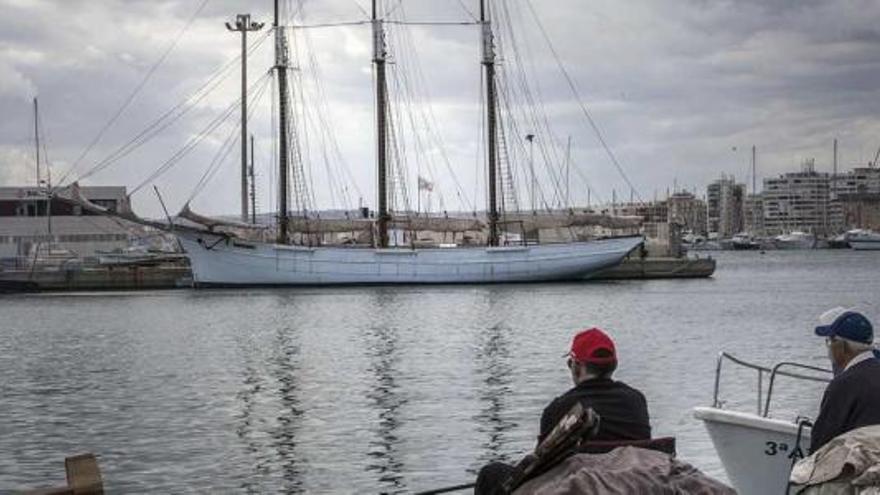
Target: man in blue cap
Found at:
x=852, y=399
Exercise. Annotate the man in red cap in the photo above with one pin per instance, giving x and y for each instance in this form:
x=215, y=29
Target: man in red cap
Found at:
x=622, y=409
x=592, y=360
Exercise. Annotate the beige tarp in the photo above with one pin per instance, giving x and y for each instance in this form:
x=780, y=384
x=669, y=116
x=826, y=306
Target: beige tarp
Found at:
x=623, y=471
x=848, y=464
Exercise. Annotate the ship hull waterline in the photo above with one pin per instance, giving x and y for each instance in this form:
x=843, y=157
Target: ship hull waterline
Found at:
x=219, y=261
x=865, y=245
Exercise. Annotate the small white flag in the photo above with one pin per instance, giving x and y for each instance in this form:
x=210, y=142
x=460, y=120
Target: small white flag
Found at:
x=425, y=184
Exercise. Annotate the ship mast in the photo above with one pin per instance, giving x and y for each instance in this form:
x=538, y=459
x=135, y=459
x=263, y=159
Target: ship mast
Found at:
x=379, y=56
x=491, y=120
x=281, y=68
x=40, y=181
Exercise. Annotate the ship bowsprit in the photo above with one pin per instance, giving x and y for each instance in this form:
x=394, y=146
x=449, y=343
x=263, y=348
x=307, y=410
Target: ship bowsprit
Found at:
x=218, y=260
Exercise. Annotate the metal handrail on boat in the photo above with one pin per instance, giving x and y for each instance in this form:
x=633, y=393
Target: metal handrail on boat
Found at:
x=773, y=372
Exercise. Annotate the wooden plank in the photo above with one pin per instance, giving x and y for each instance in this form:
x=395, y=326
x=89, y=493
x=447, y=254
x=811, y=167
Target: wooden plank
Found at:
x=83, y=475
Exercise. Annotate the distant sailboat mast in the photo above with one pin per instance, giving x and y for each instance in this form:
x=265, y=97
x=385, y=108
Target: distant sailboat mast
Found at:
x=40, y=182
x=283, y=167
x=37, y=138
x=491, y=121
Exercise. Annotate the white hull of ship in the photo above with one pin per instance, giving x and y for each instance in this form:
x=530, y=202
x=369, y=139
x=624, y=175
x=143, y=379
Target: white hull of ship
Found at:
x=219, y=261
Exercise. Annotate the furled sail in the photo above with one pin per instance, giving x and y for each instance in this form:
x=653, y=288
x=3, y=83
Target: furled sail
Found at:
x=565, y=220
x=329, y=225
x=72, y=194
x=438, y=224
x=213, y=223
x=341, y=225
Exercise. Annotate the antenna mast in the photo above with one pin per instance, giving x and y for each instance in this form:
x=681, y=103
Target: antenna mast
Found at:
x=379, y=56
x=491, y=120
x=243, y=24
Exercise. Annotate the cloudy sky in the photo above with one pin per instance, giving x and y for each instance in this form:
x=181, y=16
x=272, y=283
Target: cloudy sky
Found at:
x=681, y=90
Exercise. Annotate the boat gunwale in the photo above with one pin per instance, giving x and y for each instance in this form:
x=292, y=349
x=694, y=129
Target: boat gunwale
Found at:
x=709, y=414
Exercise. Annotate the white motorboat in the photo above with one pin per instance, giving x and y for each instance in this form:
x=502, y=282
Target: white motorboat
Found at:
x=863, y=240
x=744, y=241
x=795, y=240
x=838, y=242
x=756, y=449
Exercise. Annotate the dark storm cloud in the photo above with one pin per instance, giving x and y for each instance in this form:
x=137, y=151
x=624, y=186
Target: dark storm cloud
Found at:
x=675, y=86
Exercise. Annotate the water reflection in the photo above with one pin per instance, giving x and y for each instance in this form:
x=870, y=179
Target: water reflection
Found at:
x=382, y=345
x=494, y=369
x=247, y=428
x=285, y=364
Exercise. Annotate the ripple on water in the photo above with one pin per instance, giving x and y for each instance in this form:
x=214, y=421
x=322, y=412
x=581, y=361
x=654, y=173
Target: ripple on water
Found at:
x=382, y=389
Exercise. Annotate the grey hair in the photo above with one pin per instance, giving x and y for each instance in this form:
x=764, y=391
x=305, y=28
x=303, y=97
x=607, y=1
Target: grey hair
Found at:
x=854, y=347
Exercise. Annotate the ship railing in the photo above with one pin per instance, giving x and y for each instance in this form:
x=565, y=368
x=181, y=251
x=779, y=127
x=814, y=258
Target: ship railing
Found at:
x=788, y=369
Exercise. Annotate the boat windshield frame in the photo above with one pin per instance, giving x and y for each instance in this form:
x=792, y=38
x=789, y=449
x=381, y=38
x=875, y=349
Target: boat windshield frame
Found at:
x=777, y=370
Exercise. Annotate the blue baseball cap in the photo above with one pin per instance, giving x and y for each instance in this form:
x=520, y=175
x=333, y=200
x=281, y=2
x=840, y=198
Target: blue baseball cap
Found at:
x=846, y=324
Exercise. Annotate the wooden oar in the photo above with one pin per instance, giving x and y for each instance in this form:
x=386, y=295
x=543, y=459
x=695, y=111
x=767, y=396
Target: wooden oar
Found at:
x=578, y=424
x=447, y=489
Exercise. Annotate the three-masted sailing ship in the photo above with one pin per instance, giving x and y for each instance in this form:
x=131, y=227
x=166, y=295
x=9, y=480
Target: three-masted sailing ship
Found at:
x=220, y=257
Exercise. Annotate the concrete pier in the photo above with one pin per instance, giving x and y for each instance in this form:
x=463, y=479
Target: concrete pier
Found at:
x=172, y=276
x=651, y=268
x=131, y=277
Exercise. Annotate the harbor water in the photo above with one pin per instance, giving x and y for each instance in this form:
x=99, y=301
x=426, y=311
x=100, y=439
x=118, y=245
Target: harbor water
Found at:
x=384, y=389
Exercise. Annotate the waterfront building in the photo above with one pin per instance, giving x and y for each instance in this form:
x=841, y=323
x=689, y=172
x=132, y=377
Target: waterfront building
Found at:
x=724, y=199
x=688, y=211
x=654, y=211
x=25, y=223
x=860, y=180
x=801, y=201
x=753, y=214
x=860, y=211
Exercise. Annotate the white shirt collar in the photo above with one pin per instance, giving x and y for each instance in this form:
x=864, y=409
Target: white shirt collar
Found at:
x=859, y=358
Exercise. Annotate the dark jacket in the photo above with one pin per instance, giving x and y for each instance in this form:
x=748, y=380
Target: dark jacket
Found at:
x=852, y=400
x=622, y=409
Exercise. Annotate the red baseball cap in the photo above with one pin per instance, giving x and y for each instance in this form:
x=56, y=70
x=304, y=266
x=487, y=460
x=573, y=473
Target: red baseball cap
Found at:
x=587, y=347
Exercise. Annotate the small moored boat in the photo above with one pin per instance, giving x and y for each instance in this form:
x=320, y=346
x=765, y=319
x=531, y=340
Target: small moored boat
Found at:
x=757, y=450
x=795, y=240
x=863, y=240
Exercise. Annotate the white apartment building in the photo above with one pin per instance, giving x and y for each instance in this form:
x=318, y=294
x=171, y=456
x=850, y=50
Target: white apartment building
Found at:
x=801, y=201
x=724, y=199
x=860, y=180
x=753, y=214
